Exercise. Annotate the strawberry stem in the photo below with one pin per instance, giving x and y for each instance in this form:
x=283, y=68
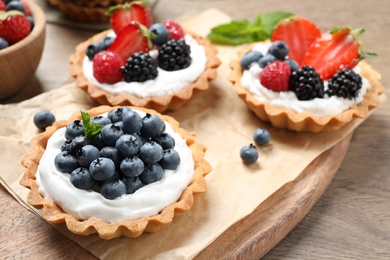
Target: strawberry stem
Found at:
x=124, y=6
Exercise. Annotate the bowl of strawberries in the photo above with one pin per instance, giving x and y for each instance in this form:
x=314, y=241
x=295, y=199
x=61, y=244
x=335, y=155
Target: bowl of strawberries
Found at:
x=22, y=38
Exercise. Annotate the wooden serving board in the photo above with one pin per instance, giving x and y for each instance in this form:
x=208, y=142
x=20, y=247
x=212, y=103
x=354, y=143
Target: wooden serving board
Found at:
x=28, y=236
x=272, y=220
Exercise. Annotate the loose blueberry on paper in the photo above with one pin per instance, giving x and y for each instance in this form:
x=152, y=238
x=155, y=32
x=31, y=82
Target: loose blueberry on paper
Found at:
x=43, y=119
x=116, y=154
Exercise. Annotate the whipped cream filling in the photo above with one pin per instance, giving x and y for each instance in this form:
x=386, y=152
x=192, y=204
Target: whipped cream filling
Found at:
x=167, y=82
x=319, y=106
x=145, y=202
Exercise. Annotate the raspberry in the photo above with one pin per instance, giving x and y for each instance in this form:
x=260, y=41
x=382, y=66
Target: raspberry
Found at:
x=306, y=83
x=14, y=27
x=175, y=30
x=2, y=6
x=276, y=76
x=139, y=67
x=106, y=67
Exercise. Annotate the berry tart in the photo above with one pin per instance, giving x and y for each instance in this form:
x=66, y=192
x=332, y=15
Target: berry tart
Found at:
x=144, y=64
x=115, y=171
x=318, y=83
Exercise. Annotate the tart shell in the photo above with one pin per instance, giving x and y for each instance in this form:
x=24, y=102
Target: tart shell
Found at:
x=159, y=103
x=51, y=212
x=289, y=119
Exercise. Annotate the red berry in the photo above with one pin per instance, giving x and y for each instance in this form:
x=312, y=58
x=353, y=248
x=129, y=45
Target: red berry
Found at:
x=130, y=40
x=3, y=6
x=175, y=30
x=106, y=67
x=123, y=14
x=14, y=27
x=276, y=76
x=27, y=9
x=299, y=33
x=334, y=51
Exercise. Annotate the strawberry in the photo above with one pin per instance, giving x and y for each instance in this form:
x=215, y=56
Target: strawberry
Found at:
x=175, y=30
x=14, y=26
x=299, y=33
x=131, y=39
x=107, y=67
x=3, y=6
x=333, y=51
x=27, y=9
x=276, y=76
x=123, y=14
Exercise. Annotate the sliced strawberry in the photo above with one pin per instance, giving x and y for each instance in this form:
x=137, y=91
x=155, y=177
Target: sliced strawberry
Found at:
x=299, y=33
x=131, y=39
x=336, y=50
x=123, y=14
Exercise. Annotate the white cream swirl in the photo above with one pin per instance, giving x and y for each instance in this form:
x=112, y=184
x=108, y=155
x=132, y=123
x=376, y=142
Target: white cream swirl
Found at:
x=288, y=100
x=167, y=82
x=145, y=202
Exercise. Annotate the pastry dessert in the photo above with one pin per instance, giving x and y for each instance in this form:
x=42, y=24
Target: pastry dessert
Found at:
x=176, y=65
x=316, y=84
x=115, y=171
x=93, y=11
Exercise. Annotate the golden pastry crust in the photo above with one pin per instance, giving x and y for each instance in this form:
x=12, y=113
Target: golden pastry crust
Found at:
x=159, y=103
x=128, y=228
x=284, y=118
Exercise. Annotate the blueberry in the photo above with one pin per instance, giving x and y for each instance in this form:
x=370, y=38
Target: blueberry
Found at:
x=87, y=154
x=119, y=124
x=102, y=169
x=116, y=115
x=151, y=152
x=3, y=43
x=279, y=49
x=170, y=159
x=74, y=129
x=99, y=46
x=294, y=66
x=101, y=120
x=66, y=162
x=132, y=184
x=266, y=59
x=152, y=126
x=82, y=179
x=165, y=140
x=111, y=133
x=161, y=34
x=78, y=142
x=111, y=153
x=142, y=139
x=107, y=41
x=43, y=119
x=15, y=5
x=66, y=146
x=132, y=122
x=97, y=141
x=261, y=136
x=152, y=173
x=31, y=21
x=113, y=189
x=249, y=58
x=249, y=154
x=132, y=167
x=128, y=145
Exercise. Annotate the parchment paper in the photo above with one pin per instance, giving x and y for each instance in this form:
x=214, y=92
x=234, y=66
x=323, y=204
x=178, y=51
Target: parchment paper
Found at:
x=222, y=122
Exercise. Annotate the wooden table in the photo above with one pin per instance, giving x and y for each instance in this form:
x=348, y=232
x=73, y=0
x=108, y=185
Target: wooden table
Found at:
x=351, y=219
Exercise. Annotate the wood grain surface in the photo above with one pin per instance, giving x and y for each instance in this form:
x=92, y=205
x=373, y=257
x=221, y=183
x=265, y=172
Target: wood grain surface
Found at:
x=351, y=220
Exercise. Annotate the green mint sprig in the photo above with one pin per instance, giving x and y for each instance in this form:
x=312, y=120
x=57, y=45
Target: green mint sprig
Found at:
x=243, y=31
x=90, y=128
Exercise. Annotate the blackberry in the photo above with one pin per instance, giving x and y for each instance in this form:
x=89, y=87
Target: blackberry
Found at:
x=174, y=55
x=306, y=83
x=139, y=67
x=345, y=83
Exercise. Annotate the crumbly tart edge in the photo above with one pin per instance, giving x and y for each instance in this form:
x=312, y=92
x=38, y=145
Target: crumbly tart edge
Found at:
x=284, y=118
x=160, y=103
x=128, y=228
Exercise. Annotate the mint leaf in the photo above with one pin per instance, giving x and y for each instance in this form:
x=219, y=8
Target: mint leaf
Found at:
x=90, y=129
x=242, y=31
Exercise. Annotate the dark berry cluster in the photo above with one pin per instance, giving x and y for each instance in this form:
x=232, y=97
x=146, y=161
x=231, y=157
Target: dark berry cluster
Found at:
x=139, y=67
x=174, y=55
x=306, y=84
x=127, y=153
x=345, y=83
